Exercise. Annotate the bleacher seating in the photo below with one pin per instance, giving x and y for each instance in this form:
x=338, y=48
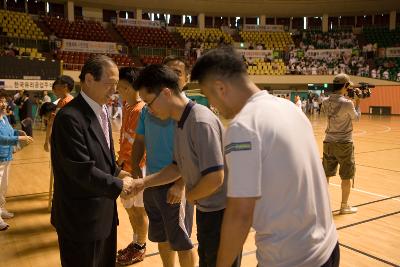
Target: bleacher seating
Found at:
x=259, y=67
x=383, y=36
x=75, y=60
x=270, y=40
x=210, y=37
x=147, y=37
x=29, y=52
x=19, y=25
x=78, y=30
x=146, y=60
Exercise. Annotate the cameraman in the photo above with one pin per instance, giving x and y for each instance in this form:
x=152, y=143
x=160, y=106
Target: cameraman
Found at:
x=338, y=143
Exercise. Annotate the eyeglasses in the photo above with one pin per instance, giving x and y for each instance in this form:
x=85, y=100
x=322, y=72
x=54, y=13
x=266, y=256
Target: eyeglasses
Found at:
x=152, y=101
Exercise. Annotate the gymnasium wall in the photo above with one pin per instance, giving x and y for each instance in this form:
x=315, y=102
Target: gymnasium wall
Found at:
x=383, y=96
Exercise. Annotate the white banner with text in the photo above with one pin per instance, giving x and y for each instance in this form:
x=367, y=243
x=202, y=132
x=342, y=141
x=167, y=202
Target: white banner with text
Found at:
x=139, y=23
x=89, y=46
x=36, y=85
x=264, y=28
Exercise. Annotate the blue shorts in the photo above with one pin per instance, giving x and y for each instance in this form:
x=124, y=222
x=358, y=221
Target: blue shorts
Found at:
x=170, y=223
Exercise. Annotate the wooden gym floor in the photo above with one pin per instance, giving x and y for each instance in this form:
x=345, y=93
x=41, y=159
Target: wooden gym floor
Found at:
x=370, y=237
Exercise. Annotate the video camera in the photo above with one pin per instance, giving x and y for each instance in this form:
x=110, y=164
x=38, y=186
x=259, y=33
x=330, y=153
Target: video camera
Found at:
x=364, y=91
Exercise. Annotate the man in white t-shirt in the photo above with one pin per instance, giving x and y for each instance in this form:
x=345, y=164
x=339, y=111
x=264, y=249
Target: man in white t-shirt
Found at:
x=273, y=186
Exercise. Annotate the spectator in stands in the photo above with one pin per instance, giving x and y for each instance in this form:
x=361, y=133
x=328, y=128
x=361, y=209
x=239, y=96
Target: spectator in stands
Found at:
x=398, y=77
x=373, y=73
x=385, y=75
x=9, y=138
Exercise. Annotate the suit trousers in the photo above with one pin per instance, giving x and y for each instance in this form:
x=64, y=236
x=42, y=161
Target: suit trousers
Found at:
x=99, y=253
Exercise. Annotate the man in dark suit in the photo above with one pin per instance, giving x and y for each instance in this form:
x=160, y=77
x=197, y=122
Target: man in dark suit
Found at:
x=87, y=181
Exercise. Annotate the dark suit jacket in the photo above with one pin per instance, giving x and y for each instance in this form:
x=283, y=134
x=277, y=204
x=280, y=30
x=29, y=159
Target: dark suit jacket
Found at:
x=26, y=109
x=85, y=182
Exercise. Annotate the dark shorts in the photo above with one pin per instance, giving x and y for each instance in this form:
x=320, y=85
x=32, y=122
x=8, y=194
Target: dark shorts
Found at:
x=208, y=234
x=334, y=259
x=339, y=154
x=170, y=223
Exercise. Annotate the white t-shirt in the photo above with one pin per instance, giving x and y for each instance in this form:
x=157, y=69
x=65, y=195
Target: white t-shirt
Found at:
x=292, y=216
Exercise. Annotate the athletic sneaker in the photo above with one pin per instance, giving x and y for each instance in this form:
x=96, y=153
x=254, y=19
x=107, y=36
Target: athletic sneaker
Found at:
x=6, y=214
x=132, y=255
x=123, y=251
x=347, y=209
x=3, y=225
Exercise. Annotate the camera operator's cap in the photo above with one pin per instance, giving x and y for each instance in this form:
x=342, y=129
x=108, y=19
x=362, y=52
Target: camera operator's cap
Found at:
x=342, y=79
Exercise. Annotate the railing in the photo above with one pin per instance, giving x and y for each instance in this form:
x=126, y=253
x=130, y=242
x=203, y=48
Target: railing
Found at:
x=151, y=51
x=40, y=45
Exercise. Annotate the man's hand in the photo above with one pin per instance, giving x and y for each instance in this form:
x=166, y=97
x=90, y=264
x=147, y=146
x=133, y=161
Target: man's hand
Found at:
x=137, y=186
x=175, y=193
x=126, y=187
x=25, y=140
x=189, y=198
x=122, y=174
x=46, y=147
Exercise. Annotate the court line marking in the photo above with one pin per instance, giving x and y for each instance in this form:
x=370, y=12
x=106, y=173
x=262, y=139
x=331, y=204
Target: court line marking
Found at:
x=388, y=129
x=372, y=202
x=28, y=195
x=367, y=192
x=373, y=167
x=369, y=255
x=368, y=220
x=378, y=150
x=26, y=163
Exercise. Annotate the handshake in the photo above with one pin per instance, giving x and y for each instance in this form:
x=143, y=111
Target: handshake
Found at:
x=130, y=186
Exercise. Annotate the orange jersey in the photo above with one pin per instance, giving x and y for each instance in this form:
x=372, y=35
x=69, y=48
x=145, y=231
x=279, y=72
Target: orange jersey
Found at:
x=130, y=118
x=63, y=101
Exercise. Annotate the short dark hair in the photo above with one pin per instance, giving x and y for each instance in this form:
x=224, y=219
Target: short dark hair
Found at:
x=155, y=77
x=95, y=65
x=47, y=108
x=338, y=86
x=222, y=61
x=172, y=58
x=64, y=80
x=128, y=74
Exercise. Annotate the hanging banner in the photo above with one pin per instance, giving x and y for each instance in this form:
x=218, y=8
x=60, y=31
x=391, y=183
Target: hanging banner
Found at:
x=263, y=28
x=139, y=23
x=89, y=46
x=254, y=53
x=327, y=53
x=393, y=52
x=31, y=85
